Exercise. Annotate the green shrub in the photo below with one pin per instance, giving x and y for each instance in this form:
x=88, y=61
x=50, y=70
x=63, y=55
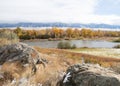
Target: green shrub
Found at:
x=74, y=46
x=60, y=45
x=65, y=45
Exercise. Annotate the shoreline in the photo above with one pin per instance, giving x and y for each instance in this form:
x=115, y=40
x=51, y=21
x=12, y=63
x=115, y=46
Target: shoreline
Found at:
x=111, y=39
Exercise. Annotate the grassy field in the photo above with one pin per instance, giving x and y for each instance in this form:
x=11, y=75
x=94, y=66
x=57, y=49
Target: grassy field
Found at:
x=75, y=55
x=105, y=52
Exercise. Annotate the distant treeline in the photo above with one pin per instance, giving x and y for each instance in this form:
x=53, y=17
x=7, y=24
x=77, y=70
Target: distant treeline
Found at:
x=56, y=32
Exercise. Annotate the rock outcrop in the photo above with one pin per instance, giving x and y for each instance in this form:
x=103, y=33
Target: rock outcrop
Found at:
x=21, y=53
x=89, y=75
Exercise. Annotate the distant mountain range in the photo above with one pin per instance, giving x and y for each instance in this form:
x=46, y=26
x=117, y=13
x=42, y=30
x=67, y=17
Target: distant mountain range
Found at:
x=73, y=25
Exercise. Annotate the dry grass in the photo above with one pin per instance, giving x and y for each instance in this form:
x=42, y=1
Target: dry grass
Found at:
x=103, y=52
x=48, y=76
x=8, y=37
x=76, y=57
x=5, y=41
x=16, y=69
x=53, y=72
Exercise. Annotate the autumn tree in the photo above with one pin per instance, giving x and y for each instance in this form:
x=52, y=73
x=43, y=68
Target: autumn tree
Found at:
x=84, y=32
x=56, y=32
x=69, y=32
x=76, y=33
x=18, y=31
x=61, y=33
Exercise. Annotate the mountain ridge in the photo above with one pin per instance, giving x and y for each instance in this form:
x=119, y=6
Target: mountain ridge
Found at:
x=58, y=24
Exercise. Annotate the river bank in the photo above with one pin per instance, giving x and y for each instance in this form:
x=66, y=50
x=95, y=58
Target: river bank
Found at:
x=60, y=39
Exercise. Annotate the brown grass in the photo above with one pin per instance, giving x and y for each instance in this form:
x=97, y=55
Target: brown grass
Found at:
x=76, y=57
x=50, y=75
x=5, y=41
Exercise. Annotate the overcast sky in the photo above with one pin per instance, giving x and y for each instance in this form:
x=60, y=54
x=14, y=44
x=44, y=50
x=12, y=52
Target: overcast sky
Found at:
x=68, y=11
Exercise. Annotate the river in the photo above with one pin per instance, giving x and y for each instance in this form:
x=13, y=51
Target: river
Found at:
x=78, y=43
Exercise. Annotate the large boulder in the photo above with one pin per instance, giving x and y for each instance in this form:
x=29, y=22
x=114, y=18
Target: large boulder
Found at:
x=89, y=75
x=20, y=53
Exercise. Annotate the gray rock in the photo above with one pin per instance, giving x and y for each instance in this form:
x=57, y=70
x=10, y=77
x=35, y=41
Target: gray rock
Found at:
x=89, y=75
x=20, y=52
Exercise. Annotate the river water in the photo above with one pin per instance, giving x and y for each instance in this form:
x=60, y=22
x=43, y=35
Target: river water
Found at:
x=78, y=43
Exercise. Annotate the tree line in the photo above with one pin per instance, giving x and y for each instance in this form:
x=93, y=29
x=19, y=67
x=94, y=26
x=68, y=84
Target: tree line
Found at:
x=56, y=32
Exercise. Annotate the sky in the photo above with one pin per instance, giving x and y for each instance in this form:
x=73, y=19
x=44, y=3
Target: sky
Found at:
x=66, y=11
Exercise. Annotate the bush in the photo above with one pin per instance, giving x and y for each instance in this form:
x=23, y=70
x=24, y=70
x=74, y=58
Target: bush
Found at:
x=117, y=46
x=60, y=45
x=74, y=46
x=65, y=45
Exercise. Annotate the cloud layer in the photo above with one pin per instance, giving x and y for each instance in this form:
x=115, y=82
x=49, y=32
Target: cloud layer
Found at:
x=80, y=11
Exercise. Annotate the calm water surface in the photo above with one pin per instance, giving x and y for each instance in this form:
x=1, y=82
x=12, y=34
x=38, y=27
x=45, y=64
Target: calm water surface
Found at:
x=78, y=43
